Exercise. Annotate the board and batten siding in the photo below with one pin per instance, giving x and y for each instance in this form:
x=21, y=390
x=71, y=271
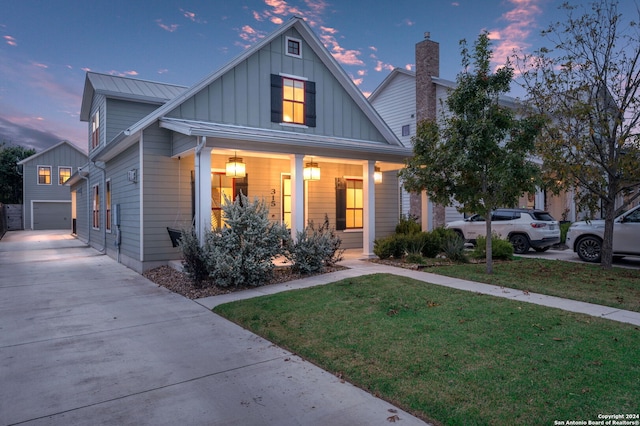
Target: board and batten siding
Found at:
x=62, y=155
x=242, y=96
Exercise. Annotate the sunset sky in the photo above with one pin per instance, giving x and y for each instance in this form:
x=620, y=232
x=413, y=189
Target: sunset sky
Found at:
x=46, y=47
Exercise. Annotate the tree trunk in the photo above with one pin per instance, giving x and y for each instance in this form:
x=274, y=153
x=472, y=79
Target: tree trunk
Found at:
x=606, y=252
x=489, y=247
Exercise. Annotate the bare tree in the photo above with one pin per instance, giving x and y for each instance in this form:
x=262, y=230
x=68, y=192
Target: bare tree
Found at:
x=587, y=84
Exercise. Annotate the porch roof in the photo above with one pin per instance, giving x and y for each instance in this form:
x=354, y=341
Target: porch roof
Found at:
x=278, y=141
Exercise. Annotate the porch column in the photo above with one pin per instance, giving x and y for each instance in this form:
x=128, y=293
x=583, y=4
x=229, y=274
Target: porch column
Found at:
x=425, y=217
x=539, y=200
x=203, y=189
x=297, y=194
x=369, y=208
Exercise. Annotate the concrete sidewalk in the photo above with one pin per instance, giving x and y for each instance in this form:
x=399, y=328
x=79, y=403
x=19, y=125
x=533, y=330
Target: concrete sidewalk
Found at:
x=84, y=340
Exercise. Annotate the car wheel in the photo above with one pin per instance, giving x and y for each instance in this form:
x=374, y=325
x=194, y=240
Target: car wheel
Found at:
x=541, y=249
x=520, y=243
x=588, y=249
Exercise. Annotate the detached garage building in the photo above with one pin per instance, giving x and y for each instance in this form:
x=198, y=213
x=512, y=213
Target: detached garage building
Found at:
x=47, y=201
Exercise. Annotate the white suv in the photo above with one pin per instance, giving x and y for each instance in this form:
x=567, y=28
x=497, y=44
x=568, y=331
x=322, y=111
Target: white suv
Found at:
x=585, y=238
x=524, y=228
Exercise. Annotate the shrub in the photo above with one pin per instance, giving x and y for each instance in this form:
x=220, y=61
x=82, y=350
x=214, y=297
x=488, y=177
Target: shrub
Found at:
x=408, y=225
x=242, y=251
x=193, y=257
x=500, y=249
x=393, y=245
x=315, y=248
x=415, y=258
x=453, y=248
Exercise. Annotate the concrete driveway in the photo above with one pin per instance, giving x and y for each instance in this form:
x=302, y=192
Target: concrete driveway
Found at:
x=84, y=340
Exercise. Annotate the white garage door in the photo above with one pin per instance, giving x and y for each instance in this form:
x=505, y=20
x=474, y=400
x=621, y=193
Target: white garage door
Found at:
x=54, y=215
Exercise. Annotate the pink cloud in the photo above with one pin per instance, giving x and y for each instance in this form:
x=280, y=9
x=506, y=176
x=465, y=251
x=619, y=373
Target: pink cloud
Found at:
x=521, y=21
x=409, y=67
x=171, y=28
x=39, y=65
x=123, y=73
x=192, y=17
x=250, y=35
x=10, y=40
x=381, y=66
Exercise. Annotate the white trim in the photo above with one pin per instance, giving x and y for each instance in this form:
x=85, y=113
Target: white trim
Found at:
x=286, y=47
x=293, y=76
x=93, y=198
x=108, y=207
x=140, y=182
x=299, y=126
x=38, y=175
x=64, y=167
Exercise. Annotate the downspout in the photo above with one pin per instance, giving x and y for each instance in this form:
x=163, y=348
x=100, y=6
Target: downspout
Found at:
x=198, y=151
x=88, y=206
x=103, y=196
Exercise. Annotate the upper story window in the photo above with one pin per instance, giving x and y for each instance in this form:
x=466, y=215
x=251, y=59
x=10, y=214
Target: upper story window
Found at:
x=293, y=47
x=44, y=175
x=64, y=173
x=95, y=222
x=293, y=100
x=406, y=129
x=95, y=130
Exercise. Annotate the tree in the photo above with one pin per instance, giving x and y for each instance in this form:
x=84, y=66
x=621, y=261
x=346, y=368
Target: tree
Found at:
x=476, y=153
x=10, y=176
x=587, y=83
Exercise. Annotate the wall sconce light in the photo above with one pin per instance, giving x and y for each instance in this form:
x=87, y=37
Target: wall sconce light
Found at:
x=311, y=171
x=236, y=168
x=132, y=175
x=377, y=175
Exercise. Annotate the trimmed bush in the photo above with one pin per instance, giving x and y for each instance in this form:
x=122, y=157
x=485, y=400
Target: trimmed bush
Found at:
x=500, y=249
x=393, y=245
x=564, y=227
x=315, y=248
x=408, y=225
x=242, y=251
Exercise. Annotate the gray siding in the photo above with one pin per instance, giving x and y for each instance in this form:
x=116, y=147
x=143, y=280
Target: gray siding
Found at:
x=242, y=96
x=83, y=221
x=396, y=104
x=387, y=208
x=62, y=155
x=126, y=194
x=122, y=114
x=182, y=143
x=99, y=105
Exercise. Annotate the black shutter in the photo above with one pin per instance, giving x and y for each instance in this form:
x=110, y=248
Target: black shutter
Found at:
x=276, y=98
x=341, y=204
x=310, y=104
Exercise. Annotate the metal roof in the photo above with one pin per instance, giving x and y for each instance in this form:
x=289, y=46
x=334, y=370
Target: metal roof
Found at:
x=126, y=88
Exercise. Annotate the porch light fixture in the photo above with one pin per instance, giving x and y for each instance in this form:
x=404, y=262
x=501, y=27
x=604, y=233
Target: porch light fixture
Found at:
x=236, y=168
x=311, y=171
x=377, y=175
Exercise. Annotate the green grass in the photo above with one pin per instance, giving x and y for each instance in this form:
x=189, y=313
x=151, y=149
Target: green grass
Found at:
x=455, y=357
x=618, y=287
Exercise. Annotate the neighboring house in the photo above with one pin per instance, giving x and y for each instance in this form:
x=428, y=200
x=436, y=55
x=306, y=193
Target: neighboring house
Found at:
x=282, y=122
x=47, y=203
x=403, y=99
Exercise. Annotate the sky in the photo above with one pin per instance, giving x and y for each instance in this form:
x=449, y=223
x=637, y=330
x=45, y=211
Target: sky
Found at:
x=47, y=46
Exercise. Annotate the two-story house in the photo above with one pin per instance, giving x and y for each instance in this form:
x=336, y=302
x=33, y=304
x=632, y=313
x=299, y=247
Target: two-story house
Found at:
x=282, y=122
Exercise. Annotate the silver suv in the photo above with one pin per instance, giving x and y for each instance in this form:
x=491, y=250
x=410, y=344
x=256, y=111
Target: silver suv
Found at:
x=524, y=228
x=585, y=238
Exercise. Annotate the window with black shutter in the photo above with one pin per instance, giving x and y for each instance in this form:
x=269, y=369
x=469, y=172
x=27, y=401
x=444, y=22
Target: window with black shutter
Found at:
x=293, y=101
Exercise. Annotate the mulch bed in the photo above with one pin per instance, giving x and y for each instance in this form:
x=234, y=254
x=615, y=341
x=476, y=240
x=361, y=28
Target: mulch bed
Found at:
x=179, y=282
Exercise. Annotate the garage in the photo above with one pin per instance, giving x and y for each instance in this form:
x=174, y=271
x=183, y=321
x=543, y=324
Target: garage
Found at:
x=51, y=214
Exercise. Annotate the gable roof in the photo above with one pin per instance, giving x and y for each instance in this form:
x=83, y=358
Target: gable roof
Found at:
x=125, y=88
x=388, y=79
x=318, y=48
x=38, y=154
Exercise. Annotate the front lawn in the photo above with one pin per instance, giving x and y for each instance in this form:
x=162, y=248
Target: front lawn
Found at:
x=452, y=356
x=617, y=287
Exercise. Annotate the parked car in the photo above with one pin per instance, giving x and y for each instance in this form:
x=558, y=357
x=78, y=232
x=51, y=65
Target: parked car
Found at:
x=585, y=237
x=524, y=228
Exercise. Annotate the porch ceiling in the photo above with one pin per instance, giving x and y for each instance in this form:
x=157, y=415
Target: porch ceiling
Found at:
x=286, y=142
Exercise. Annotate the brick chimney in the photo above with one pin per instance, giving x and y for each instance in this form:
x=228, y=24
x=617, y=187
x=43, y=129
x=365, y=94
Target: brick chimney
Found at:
x=427, y=66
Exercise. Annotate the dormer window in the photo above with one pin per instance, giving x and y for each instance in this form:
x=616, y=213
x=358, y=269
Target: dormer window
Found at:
x=95, y=130
x=293, y=100
x=293, y=47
